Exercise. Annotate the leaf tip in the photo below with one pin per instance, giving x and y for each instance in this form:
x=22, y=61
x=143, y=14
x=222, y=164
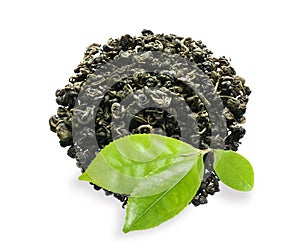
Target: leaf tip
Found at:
x=127, y=227
x=84, y=177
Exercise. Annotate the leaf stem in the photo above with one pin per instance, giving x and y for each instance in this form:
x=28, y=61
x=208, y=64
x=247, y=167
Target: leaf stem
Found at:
x=197, y=152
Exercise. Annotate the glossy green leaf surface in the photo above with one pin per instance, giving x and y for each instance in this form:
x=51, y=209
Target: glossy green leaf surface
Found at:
x=162, y=179
x=234, y=170
x=150, y=211
x=124, y=163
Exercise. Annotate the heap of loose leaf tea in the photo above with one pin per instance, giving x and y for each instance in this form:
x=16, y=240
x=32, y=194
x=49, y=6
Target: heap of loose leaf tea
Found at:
x=227, y=84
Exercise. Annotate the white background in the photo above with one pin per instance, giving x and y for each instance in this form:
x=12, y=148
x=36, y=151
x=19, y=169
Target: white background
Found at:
x=42, y=201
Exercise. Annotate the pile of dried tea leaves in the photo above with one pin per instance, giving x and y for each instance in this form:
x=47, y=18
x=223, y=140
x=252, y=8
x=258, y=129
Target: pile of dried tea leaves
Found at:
x=227, y=84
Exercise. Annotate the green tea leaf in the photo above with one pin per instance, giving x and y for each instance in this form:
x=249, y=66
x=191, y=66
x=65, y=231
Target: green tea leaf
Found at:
x=162, y=179
x=124, y=163
x=150, y=211
x=234, y=170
